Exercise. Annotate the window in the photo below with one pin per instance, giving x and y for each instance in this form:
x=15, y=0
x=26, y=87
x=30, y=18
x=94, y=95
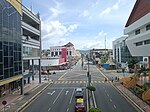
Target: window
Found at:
x=1, y=56
x=137, y=32
x=139, y=43
x=0, y=45
x=6, y=73
x=5, y=62
x=1, y=69
x=148, y=27
x=147, y=41
x=5, y=50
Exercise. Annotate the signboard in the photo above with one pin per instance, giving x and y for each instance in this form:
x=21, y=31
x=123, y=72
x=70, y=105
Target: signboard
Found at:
x=4, y=102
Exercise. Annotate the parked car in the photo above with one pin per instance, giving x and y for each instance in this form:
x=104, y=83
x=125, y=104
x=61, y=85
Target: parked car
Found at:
x=54, y=72
x=80, y=105
x=79, y=93
x=44, y=73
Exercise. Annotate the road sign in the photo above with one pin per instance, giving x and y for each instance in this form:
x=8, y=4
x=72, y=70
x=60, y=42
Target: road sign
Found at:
x=4, y=102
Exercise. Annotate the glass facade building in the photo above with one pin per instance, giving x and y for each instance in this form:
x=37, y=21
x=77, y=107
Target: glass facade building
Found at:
x=10, y=44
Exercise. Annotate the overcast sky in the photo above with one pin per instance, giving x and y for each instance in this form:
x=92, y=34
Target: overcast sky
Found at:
x=85, y=23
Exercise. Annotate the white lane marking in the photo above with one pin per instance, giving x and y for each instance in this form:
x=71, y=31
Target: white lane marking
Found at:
x=72, y=96
x=58, y=95
x=107, y=94
x=114, y=106
x=94, y=99
x=51, y=93
x=110, y=100
x=49, y=109
x=67, y=109
x=87, y=99
x=67, y=92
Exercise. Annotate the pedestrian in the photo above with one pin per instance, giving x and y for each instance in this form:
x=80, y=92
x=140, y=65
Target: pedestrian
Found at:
x=118, y=78
x=112, y=79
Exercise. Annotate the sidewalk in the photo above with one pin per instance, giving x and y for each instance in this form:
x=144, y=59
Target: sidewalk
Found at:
x=15, y=100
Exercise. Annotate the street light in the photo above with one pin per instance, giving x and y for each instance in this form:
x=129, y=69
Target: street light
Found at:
x=88, y=74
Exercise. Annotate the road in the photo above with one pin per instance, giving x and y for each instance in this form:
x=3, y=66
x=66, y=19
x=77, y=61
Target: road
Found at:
x=60, y=96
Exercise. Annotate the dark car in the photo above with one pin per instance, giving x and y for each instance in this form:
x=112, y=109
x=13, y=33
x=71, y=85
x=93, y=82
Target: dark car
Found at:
x=44, y=73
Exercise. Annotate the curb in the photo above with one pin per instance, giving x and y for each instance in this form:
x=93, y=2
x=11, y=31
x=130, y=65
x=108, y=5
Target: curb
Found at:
x=25, y=104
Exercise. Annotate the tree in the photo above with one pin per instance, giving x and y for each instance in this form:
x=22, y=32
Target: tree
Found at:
x=91, y=88
x=131, y=64
x=94, y=110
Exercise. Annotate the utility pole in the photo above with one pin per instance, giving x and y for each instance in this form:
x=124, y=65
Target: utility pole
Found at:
x=88, y=74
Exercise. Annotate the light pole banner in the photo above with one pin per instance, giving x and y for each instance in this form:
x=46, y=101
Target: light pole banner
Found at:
x=16, y=4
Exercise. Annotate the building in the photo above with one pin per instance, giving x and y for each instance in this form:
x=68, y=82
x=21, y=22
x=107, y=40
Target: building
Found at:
x=138, y=29
x=10, y=47
x=55, y=51
x=121, y=53
x=20, y=45
x=96, y=54
x=31, y=43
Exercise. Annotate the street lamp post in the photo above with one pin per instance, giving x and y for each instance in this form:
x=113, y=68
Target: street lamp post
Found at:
x=88, y=74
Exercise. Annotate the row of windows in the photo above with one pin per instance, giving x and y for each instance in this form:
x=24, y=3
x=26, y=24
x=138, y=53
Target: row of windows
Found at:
x=138, y=31
x=56, y=53
x=29, y=51
x=11, y=71
x=10, y=41
x=143, y=42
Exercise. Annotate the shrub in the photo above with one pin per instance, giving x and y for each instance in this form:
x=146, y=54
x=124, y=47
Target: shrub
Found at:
x=91, y=88
x=94, y=110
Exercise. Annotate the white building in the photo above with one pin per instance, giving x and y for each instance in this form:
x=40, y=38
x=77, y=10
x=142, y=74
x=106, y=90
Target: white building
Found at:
x=31, y=40
x=121, y=53
x=138, y=29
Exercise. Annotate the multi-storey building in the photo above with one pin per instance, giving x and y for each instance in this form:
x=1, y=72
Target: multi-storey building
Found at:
x=138, y=29
x=121, y=53
x=56, y=51
x=95, y=54
x=31, y=42
x=10, y=46
x=20, y=44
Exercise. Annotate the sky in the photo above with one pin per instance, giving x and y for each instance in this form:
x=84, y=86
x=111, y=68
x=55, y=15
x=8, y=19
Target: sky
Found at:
x=85, y=23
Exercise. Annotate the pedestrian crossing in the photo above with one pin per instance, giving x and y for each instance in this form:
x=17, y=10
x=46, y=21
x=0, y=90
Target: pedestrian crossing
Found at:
x=79, y=82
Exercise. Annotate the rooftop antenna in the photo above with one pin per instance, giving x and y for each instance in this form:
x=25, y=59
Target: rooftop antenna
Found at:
x=31, y=7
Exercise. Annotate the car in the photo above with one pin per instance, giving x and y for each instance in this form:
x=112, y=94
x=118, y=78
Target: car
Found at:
x=44, y=73
x=80, y=105
x=79, y=93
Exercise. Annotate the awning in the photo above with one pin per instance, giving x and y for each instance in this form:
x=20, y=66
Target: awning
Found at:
x=11, y=79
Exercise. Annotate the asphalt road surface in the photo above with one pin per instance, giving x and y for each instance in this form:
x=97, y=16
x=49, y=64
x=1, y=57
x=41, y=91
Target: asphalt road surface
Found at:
x=60, y=96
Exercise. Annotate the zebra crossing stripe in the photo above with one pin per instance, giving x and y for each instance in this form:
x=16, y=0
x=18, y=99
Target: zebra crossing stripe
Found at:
x=65, y=82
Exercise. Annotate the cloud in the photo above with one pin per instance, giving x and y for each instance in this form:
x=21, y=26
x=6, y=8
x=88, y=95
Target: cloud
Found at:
x=55, y=31
x=116, y=5
x=85, y=13
x=105, y=12
x=57, y=10
x=72, y=28
x=110, y=9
